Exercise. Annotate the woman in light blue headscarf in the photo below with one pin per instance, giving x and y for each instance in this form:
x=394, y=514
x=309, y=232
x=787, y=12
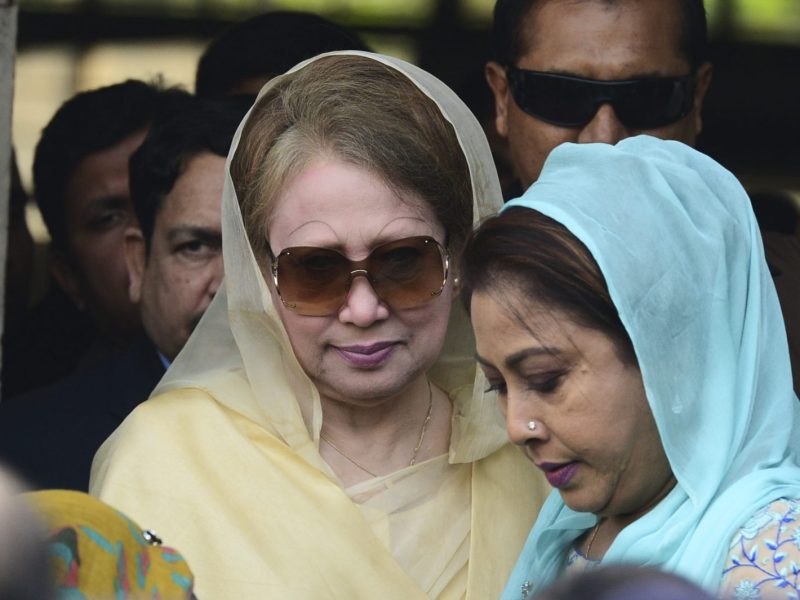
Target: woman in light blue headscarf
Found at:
x=625, y=315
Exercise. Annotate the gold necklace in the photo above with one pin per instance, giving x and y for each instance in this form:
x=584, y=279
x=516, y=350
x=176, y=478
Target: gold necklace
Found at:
x=424, y=426
x=416, y=448
x=591, y=539
x=352, y=460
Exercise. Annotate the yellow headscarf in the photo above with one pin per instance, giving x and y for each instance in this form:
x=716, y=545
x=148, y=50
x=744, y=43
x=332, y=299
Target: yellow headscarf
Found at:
x=241, y=331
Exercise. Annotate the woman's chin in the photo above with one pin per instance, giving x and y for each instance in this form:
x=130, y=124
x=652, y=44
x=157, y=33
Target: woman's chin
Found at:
x=366, y=388
x=580, y=499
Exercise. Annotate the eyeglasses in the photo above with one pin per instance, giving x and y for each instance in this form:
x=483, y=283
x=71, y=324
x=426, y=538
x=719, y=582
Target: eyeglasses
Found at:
x=404, y=273
x=568, y=101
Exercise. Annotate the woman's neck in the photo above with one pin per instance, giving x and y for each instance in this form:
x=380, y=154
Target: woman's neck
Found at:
x=369, y=439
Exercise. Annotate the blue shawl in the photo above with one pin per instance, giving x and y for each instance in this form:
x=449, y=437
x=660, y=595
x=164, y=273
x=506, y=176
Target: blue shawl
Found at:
x=675, y=237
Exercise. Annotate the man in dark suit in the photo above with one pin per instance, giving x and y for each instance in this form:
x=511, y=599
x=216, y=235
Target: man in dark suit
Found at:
x=174, y=260
x=80, y=177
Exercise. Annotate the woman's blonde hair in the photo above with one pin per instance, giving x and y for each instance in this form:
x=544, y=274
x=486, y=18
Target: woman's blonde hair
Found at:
x=362, y=112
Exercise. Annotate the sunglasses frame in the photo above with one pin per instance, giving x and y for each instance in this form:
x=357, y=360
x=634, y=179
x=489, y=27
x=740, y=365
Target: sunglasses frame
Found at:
x=607, y=92
x=357, y=270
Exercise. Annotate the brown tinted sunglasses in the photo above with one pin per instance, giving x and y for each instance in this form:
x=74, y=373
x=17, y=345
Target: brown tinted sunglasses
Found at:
x=404, y=273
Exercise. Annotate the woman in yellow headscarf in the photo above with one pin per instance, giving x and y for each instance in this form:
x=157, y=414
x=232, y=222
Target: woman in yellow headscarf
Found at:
x=324, y=432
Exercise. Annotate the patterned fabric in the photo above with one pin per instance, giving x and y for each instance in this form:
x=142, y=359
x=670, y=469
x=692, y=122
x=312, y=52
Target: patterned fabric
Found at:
x=764, y=559
x=578, y=563
x=98, y=553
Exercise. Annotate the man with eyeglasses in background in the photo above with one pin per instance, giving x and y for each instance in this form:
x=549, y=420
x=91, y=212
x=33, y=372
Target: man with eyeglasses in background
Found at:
x=596, y=71
x=603, y=70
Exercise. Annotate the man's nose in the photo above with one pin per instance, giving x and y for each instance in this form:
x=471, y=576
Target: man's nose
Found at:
x=604, y=127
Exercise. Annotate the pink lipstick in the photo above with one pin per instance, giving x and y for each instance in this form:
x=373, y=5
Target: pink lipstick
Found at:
x=559, y=474
x=367, y=357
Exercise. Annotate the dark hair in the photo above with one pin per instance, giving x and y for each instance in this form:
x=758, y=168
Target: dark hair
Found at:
x=510, y=18
x=88, y=123
x=361, y=112
x=171, y=143
x=267, y=45
x=524, y=251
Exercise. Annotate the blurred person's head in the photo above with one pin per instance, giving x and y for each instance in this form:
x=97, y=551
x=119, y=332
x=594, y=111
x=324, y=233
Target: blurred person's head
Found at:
x=596, y=71
x=175, y=255
x=24, y=570
x=80, y=175
x=248, y=54
x=623, y=582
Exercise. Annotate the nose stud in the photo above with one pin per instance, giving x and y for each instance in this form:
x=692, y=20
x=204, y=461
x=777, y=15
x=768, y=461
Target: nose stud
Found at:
x=532, y=425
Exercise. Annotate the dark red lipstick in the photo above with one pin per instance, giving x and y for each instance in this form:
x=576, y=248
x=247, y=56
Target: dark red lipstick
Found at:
x=559, y=474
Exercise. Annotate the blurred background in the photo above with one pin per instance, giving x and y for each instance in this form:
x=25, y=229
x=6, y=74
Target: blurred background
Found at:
x=64, y=46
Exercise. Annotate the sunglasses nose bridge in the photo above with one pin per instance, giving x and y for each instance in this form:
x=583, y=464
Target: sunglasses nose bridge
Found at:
x=359, y=268
x=360, y=273
x=375, y=298
x=601, y=96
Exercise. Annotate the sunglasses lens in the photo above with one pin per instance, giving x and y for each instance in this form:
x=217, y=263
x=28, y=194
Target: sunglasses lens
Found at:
x=572, y=101
x=313, y=281
x=563, y=101
x=651, y=103
x=404, y=274
x=408, y=272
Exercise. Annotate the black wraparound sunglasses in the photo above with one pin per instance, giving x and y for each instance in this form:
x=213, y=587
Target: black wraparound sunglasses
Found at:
x=567, y=101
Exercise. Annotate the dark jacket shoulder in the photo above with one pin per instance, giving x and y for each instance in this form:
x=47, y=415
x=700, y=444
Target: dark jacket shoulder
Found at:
x=49, y=436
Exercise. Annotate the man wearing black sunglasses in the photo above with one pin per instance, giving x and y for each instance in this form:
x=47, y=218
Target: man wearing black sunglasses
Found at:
x=596, y=71
x=603, y=70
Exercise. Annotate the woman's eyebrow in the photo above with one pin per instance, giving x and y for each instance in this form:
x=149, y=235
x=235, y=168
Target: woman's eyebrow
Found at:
x=514, y=359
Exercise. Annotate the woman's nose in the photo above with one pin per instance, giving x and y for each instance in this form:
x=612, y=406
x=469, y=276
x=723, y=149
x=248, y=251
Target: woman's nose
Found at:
x=522, y=423
x=363, y=306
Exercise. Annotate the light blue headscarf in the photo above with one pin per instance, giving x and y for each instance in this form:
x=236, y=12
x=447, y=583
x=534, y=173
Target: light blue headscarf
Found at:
x=677, y=242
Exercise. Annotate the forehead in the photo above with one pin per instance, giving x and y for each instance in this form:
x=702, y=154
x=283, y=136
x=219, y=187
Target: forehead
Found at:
x=103, y=173
x=508, y=315
x=339, y=204
x=604, y=40
x=196, y=195
x=513, y=328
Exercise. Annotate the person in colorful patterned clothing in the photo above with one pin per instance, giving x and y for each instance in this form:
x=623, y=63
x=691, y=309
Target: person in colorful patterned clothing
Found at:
x=98, y=553
x=625, y=315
